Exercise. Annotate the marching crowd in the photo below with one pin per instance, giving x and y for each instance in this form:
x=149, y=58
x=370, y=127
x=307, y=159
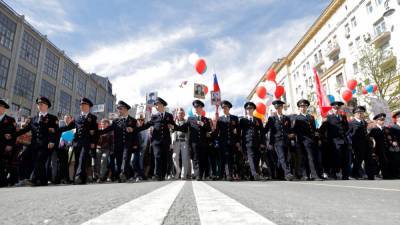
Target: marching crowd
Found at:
x=167, y=146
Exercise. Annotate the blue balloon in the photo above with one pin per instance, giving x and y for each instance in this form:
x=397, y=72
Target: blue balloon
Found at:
x=354, y=91
x=190, y=112
x=369, y=88
x=331, y=98
x=67, y=136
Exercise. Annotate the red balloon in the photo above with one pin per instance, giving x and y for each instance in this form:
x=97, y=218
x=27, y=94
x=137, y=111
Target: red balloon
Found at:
x=203, y=113
x=205, y=90
x=375, y=88
x=347, y=95
x=280, y=90
x=201, y=66
x=364, y=91
x=271, y=75
x=351, y=84
x=261, y=108
x=261, y=92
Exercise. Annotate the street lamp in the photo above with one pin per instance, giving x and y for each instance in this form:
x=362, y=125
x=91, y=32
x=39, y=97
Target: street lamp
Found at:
x=388, y=11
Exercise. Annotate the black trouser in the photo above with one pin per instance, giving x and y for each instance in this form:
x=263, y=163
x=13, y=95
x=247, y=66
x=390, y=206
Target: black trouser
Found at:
x=281, y=150
x=212, y=161
x=305, y=157
x=362, y=152
x=126, y=168
x=341, y=158
x=3, y=170
x=227, y=151
x=25, y=163
x=160, y=151
x=253, y=157
x=59, y=165
x=199, y=159
x=41, y=154
x=82, y=159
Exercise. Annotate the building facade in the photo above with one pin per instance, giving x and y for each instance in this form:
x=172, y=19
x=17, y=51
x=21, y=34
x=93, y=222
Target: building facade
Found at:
x=332, y=45
x=31, y=66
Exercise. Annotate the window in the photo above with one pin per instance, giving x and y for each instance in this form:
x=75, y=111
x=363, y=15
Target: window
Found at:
x=77, y=109
x=355, y=68
x=30, y=49
x=48, y=90
x=378, y=2
x=353, y=22
x=51, y=64
x=339, y=80
x=65, y=103
x=4, y=65
x=347, y=30
x=110, y=105
x=7, y=31
x=68, y=76
x=81, y=86
x=379, y=27
x=369, y=7
x=24, y=83
x=92, y=93
x=358, y=42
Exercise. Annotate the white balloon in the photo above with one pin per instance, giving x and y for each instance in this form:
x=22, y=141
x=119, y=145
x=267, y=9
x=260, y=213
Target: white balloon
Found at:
x=269, y=99
x=270, y=86
x=193, y=57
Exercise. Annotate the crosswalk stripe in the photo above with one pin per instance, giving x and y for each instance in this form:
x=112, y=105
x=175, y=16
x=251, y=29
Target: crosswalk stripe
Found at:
x=150, y=208
x=348, y=186
x=217, y=208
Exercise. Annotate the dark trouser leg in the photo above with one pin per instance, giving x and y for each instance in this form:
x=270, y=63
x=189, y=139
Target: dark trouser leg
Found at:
x=203, y=160
x=252, y=157
x=228, y=160
x=118, y=155
x=359, y=153
x=81, y=161
x=126, y=159
x=63, y=163
x=157, y=160
x=309, y=149
x=281, y=151
x=39, y=168
x=345, y=161
x=212, y=156
x=3, y=173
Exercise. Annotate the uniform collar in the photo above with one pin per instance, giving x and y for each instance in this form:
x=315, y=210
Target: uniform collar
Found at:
x=124, y=117
x=303, y=114
x=42, y=114
x=2, y=116
x=84, y=114
x=379, y=127
x=358, y=120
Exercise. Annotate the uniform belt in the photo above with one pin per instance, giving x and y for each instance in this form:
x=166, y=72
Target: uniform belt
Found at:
x=180, y=140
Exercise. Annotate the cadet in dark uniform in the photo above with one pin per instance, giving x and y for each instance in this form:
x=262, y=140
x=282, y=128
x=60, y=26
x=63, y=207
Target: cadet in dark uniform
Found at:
x=228, y=139
x=395, y=131
x=379, y=137
x=85, y=139
x=125, y=140
x=7, y=140
x=44, y=128
x=161, y=136
x=305, y=129
x=253, y=137
x=362, y=150
x=279, y=127
x=198, y=126
x=337, y=129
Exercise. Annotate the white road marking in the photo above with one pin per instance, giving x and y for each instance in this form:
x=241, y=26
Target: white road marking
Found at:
x=348, y=186
x=150, y=208
x=217, y=208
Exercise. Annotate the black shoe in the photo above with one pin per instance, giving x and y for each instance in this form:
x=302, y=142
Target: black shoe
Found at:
x=78, y=180
x=199, y=179
x=122, y=178
x=289, y=177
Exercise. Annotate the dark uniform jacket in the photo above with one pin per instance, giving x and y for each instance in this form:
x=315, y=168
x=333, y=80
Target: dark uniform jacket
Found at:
x=7, y=128
x=304, y=126
x=227, y=130
x=122, y=138
x=251, y=132
x=161, y=133
x=358, y=132
x=197, y=133
x=86, y=129
x=278, y=128
x=44, y=130
x=337, y=129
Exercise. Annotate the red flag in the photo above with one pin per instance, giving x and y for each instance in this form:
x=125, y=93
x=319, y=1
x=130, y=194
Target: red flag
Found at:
x=323, y=101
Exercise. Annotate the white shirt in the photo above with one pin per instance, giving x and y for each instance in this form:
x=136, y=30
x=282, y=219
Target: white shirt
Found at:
x=379, y=127
x=358, y=120
x=2, y=116
x=43, y=114
x=84, y=114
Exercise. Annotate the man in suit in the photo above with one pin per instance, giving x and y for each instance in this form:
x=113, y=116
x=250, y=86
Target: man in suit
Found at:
x=125, y=140
x=198, y=126
x=362, y=150
x=305, y=129
x=44, y=129
x=279, y=127
x=161, y=137
x=252, y=135
x=379, y=136
x=85, y=139
x=228, y=139
x=7, y=140
x=337, y=129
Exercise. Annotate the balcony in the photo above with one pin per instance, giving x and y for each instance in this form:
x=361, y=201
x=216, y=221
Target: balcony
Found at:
x=333, y=50
x=389, y=60
x=381, y=38
x=319, y=62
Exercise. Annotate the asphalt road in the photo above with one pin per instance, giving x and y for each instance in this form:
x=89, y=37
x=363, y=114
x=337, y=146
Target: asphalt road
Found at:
x=179, y=202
